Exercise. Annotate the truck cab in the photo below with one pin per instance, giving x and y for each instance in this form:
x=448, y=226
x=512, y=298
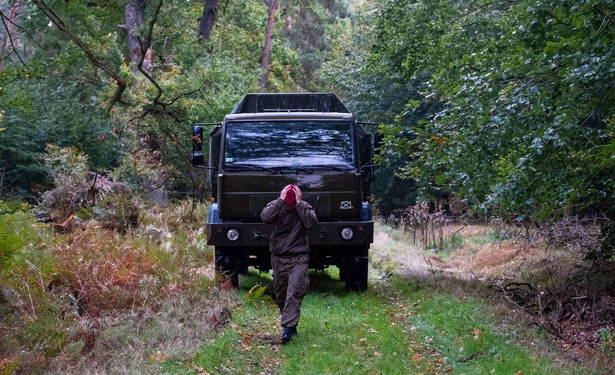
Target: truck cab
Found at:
x=269, y=141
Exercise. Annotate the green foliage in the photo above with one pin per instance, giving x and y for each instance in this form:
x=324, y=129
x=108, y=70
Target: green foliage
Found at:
x=16, y=231
x=606, y=339
x=527, y=125
x=60, y=97
x=606, y=250
x=48, y=331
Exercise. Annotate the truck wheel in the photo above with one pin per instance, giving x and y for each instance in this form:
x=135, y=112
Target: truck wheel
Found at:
x=343, y=273
x=356, y=270
x=226, y=265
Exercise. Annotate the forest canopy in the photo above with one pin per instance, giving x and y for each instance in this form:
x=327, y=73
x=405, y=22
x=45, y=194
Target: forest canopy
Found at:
x=506, y=105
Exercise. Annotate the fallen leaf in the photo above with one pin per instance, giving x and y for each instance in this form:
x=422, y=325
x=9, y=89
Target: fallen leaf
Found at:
x=200, y=370
x=476, y=333
x=227, y=285
x=378, y=354
x=416, y=358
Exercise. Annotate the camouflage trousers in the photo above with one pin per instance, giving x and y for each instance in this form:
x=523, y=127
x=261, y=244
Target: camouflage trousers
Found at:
x=290, y=282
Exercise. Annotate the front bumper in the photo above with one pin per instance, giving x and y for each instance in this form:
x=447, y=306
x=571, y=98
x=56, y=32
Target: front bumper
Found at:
x=322, y=234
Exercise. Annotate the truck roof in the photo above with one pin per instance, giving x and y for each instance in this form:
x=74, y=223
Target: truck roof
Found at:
x=278, y=116
x=323, y=102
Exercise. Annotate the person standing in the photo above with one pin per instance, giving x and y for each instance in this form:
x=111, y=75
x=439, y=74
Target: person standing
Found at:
x=291, y=218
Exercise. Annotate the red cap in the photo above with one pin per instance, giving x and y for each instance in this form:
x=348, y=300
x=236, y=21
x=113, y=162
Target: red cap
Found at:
x=290, y=196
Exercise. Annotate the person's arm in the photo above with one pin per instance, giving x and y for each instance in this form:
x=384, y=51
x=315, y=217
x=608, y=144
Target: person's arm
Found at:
x=307, y=214
x=271, y=210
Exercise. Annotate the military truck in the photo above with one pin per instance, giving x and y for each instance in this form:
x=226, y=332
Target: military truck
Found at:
x=269, y=141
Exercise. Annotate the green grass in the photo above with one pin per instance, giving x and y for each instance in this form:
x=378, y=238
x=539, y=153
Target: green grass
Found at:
x=475, y=339
x=395, y=327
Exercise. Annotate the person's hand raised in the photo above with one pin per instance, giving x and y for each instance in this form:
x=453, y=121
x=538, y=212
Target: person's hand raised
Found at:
x=297, y=194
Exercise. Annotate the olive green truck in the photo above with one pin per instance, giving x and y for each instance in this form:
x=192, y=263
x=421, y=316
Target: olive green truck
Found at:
x=269, y=141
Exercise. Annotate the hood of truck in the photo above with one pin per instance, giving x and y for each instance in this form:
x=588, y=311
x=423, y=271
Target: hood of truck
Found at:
x=333, y=196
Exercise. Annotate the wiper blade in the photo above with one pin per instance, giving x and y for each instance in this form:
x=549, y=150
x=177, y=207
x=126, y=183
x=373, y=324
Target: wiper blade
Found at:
x=329, y=168
x=253, y=167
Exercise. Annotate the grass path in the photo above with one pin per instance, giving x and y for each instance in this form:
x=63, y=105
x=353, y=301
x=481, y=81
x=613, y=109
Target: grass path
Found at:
x=393, y=328
x=340, y=332
x=403, y=324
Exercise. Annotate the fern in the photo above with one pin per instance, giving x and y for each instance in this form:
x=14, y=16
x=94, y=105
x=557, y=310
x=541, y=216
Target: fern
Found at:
x=256, y=292
x=15, y=232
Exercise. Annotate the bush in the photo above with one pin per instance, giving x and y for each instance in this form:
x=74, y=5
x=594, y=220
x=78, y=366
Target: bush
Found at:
x=88, y=193
x=68, y=168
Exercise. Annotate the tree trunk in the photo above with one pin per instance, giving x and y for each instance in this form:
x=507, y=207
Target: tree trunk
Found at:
x=135, y=11
x=153, y=184
x=210, y=11
x=9, y=32
x=273, y=5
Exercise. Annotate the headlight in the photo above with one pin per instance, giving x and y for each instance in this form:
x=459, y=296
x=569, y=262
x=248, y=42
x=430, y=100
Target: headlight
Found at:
x=347, y=233
x=232, y=234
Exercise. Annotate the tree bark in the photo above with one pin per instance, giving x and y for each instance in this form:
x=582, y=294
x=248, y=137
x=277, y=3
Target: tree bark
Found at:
x=8, y=40
x=273, y=5
x=134, y=11
x=210, y=11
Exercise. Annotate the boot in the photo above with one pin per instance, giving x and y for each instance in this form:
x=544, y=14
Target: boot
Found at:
x=288, y=333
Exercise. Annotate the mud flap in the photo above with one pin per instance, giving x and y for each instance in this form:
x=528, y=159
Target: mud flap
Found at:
x=226, y=265
x=356, y=269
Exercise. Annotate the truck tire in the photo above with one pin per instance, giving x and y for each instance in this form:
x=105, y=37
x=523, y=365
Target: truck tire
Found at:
x=226, y=265
x=343, y=273
x=357, y=269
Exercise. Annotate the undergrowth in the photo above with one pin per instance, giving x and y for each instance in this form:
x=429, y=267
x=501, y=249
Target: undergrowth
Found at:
x=95, y=300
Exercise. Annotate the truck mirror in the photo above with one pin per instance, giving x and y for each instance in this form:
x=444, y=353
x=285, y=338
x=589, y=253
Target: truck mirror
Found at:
x=197, y=159
x=377, y=140
x=197, y=138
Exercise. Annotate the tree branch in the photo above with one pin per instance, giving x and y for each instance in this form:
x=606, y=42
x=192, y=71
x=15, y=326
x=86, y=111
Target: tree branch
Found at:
x=86, y=49
x=10, y=38
x=144, y=47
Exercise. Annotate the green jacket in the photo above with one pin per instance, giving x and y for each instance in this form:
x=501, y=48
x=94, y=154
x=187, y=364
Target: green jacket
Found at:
x=290, y=226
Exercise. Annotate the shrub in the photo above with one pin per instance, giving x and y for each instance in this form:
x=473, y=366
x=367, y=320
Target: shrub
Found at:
x=68, y=168
x=117, y=212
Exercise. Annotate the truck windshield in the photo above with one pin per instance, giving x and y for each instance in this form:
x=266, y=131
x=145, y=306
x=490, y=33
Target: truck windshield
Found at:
x=273, y=144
